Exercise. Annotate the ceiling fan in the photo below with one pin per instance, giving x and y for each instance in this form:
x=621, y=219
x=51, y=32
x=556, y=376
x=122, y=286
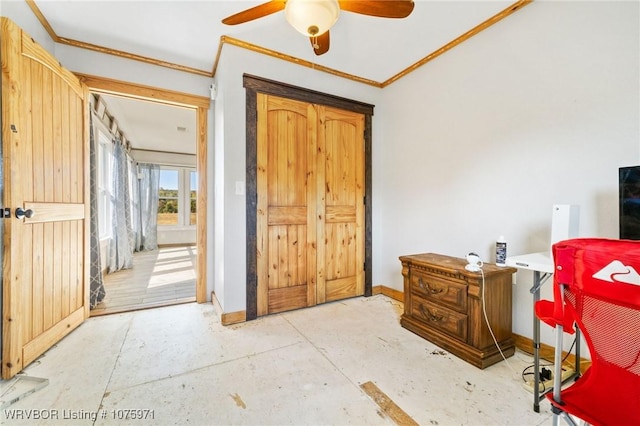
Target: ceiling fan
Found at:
x=314, y=18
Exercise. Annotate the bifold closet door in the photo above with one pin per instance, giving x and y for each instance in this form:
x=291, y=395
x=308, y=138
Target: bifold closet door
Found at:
x=310, y=206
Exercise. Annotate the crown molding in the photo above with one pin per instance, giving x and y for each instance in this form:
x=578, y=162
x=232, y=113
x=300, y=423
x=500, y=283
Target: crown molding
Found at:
x=275, y=54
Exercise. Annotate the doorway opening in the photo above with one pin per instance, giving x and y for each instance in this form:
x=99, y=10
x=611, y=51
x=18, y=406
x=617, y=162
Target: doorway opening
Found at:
x=176, y=271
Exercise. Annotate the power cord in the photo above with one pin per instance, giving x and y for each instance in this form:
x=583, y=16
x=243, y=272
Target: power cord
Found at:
x=544, y=370
x=486, y=319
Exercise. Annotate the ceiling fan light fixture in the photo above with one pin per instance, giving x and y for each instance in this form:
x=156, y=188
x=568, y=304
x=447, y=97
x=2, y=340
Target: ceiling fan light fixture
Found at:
x=312, y=17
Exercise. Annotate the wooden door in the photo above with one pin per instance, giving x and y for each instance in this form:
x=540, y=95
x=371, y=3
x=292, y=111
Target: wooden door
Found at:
x=341, y=210
x=45, y=153
x=310, y=204
x=287, y=141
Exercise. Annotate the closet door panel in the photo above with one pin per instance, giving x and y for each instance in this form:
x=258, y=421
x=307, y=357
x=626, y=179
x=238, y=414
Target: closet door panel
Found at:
x=286, y=241
x=343, y=165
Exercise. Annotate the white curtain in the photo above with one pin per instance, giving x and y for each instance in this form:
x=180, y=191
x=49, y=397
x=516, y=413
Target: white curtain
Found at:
x=97, y=290
x=122, y=240
x=134, y=189
x=148, y=192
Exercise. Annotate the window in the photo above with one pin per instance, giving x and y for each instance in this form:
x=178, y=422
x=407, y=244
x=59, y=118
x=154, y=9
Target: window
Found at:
x=177, y=196
x=105, y=183
x=168, y=200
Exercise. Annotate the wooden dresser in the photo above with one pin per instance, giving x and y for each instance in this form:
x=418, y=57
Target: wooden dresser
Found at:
x=443, y=304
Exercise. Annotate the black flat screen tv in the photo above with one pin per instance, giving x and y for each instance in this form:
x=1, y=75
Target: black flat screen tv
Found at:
x=629, y=203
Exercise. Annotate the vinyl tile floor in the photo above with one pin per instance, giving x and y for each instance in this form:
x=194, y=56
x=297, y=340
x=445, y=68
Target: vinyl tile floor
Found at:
x=178, y=365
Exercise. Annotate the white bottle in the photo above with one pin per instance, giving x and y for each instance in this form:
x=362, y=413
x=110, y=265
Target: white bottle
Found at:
x=501, y=251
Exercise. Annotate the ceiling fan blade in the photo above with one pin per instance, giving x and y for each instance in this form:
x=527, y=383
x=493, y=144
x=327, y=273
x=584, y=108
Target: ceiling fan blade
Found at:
x=320, y=43
x=256, y=12
x=380, y=8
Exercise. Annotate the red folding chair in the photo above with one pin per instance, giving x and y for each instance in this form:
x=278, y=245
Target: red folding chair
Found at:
x=597, y=287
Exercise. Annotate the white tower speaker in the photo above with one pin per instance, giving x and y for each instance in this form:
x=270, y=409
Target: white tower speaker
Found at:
x=565, y=222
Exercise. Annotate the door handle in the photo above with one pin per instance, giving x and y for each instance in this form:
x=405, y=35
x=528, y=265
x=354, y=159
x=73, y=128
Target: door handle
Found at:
x=20, y=213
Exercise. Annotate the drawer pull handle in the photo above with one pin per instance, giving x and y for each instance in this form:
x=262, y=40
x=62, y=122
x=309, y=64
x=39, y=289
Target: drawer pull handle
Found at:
x=427, y=314
x=426, y=287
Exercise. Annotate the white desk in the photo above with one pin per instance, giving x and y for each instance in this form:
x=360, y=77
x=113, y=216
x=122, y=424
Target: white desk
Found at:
x=542, y=262
x=542, y=266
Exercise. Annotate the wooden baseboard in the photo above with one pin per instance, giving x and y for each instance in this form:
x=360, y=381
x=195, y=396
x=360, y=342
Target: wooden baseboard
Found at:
x=547, y=352
x=230, y=317
x=233, y=317
x=389, y=292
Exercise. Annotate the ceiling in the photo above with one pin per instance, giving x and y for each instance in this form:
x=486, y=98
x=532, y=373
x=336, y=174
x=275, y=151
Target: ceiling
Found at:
x=187, y=34
x=153, y=126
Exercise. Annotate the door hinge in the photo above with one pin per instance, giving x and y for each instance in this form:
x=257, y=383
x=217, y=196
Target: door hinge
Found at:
x=6, y=213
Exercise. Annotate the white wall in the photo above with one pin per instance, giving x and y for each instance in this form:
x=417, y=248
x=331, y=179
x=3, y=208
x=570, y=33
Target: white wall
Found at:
x=181, y=236
x=230, y=150
x=540, y=109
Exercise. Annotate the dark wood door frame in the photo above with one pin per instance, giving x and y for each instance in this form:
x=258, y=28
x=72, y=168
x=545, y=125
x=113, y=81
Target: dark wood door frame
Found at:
x=253, y=86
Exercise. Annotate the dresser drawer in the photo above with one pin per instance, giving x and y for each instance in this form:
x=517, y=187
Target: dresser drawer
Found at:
x=443, y=303
x=439, y=290
x=449, y=321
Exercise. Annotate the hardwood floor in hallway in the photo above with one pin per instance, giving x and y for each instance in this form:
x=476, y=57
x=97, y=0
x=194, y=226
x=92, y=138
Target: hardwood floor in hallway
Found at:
x=162, y=277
